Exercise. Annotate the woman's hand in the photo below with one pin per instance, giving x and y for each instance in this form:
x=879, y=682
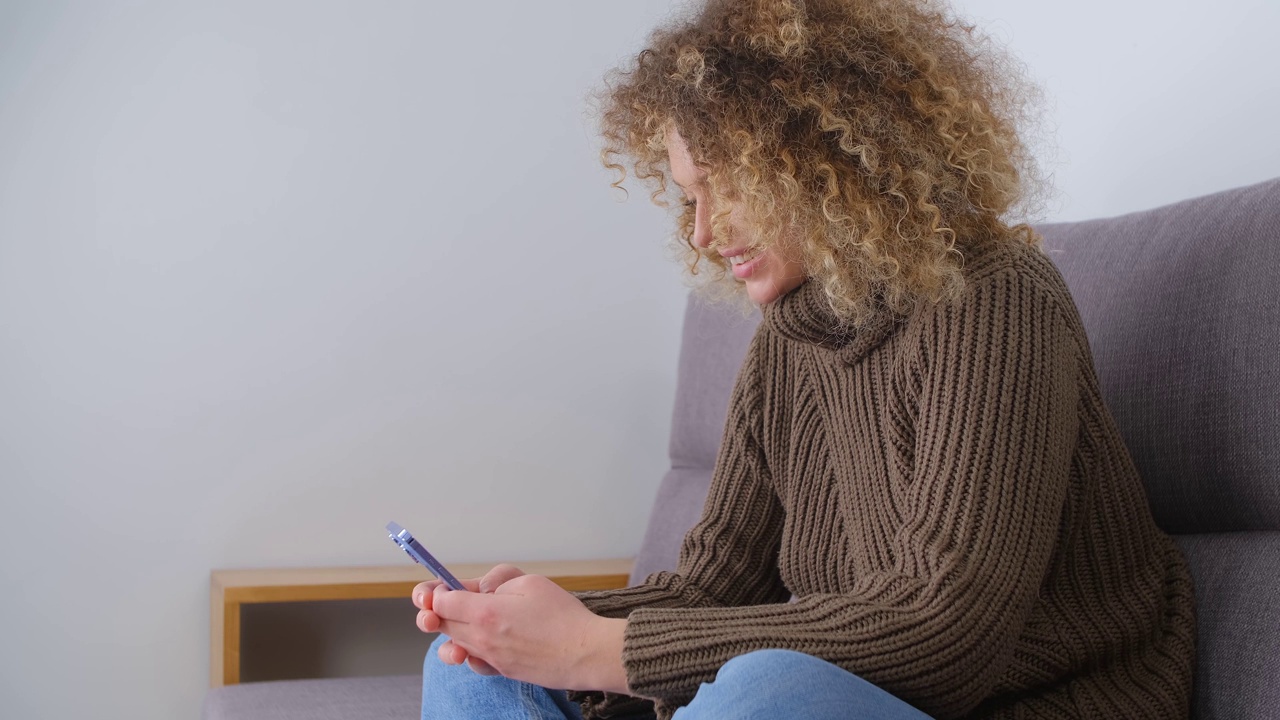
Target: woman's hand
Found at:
x=530, y=629
x=451, y=654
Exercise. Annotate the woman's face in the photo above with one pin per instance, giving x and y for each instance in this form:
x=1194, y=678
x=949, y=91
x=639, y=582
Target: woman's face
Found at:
x=767, y=274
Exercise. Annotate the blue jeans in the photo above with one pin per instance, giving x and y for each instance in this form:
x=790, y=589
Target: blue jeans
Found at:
x=759, y=685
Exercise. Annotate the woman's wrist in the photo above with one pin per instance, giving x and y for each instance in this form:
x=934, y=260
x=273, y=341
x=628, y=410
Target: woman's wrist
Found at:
x=605, y=670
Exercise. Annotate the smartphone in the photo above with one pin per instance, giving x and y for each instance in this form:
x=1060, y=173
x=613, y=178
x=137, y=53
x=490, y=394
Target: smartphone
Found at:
x=420, y=555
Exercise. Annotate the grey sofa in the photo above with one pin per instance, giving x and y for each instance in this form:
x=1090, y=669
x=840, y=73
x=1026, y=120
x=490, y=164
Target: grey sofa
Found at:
x=1182, y=307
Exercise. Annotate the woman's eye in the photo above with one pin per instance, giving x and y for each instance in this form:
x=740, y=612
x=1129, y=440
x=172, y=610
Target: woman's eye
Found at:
x=690, y=202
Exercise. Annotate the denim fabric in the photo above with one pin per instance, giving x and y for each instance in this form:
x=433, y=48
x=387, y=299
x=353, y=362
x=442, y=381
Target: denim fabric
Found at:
x=763, y=684
x=450, y=692
x=784, y=683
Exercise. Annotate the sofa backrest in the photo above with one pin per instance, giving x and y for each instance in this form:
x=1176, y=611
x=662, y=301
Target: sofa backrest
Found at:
x=1182, y=308
x=714, y=341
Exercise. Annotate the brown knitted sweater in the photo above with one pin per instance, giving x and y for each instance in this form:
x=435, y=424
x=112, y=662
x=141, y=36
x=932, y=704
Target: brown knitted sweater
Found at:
x=950, y=503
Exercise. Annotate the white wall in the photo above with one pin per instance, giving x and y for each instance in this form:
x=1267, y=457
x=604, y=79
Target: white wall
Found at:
x=1150, y=101
x=274, y=273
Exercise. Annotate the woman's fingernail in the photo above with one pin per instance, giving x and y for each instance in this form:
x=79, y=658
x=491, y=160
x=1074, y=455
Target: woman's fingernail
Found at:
x=419, y=598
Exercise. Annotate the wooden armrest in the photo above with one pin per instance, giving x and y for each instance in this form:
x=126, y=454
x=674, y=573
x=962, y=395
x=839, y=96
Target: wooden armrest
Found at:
x=230, y=589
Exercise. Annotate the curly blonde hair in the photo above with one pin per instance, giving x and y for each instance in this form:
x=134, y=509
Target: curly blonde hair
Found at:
x=873, y=140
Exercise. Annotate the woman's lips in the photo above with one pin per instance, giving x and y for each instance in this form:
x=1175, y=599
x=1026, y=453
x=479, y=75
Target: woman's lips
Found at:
x=744, y=271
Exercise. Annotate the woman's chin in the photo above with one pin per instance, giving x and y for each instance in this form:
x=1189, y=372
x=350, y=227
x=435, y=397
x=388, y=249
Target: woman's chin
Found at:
x=764, y=290
x=762, y=295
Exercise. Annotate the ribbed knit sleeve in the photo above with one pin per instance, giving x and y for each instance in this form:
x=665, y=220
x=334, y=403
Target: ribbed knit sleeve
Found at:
x=994, y=430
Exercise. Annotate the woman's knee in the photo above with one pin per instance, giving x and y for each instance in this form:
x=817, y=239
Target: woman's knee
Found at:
x=747, y=686
x=433, y=668
x=433, y=653
x=780, y=683
x=449, y=691
x=454, y=691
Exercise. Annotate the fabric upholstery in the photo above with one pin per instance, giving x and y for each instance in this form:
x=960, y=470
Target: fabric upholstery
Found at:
x=715, y=339
x=1237, y=579
x=1182, y=308
x=681, y=495
x=367, y=698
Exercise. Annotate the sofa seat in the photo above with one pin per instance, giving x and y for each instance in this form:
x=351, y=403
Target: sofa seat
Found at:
x=359, y=698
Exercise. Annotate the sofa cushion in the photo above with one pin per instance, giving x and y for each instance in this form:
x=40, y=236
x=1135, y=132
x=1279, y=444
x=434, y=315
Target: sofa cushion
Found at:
x=1182, y=308
x=1237, y=582
x=714, y=341
x=367, y=698
x=681, y=496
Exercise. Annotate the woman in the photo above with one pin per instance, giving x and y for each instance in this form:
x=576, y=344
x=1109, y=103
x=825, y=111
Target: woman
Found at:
x=921, y=507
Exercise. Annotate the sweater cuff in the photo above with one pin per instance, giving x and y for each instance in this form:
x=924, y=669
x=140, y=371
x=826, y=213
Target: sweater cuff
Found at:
x=668, y=654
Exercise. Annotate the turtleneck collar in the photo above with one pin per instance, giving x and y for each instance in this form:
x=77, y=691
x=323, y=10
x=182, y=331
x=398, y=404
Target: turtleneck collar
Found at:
x=805, y=315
